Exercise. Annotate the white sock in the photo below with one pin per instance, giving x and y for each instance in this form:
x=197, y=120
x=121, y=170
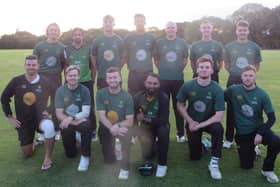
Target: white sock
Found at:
x=214, y=161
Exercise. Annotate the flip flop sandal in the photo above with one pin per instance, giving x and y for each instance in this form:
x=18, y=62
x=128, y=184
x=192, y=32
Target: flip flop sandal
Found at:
x=46, y=166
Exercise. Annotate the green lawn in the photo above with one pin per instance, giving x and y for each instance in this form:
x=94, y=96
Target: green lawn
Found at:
x=15, y=171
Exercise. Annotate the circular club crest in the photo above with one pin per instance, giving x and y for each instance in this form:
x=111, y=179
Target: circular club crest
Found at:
x=29, y=98
x=51, y=61
x=199, y=106
x=247, y=110
x=241, y=62
x=113, y=116
x=108, y=55
x=72, y=109
x=77, y=62
x=141, y=55
x=171, y=56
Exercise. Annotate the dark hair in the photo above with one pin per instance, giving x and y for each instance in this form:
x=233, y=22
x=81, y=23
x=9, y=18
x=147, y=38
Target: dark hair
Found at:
x=151, y=74
x=31, y=57
x=77, y=29
x=112, y=70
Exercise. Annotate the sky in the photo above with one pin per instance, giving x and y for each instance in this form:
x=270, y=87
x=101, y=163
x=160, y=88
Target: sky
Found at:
x=34, y=15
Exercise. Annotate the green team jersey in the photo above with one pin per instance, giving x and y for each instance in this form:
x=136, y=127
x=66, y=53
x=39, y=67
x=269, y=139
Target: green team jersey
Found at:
x=248, y=107
x=50, y=56
x=211, y=48
x=149, y=107
x=203, y=101
x=72, y=100
x=116, y=106
x=81, y=58
x=170, y=54
x=108, y=51
x=138, y=50
x=239, y=55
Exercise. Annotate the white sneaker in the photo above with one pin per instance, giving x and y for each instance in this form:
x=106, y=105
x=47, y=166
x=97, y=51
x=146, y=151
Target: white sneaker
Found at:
x=161, y=171
x=94, y=137
x=123, y=175
x=227, y=144
x=271, y=177
x=214, y=171
x=78, y=137
x=57, y=136
x=181, y=139
x=84, y=162
x=133, y=140
x=40, y=139
x=257, y=150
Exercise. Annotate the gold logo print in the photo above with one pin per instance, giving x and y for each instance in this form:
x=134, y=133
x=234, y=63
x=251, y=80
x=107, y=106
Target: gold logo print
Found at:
x=29, y=98
x=113, y=116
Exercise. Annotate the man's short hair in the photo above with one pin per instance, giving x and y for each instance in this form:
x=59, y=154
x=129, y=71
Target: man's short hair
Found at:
x=53, y=24
x=113, y=70
x=108, y=17
x=206, y=21
x=151, y=74
x=31, y=57
x=249, y=68
x=205, y=58
x=242, y=23
x=139, y=15
x=77, y=29
x=72, y=67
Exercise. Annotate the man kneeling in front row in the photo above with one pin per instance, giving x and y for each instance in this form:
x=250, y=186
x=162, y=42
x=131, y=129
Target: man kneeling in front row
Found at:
x=152, y=113
x=72, y=105
x=31, y=93
x=248, y=104
x=205, y=108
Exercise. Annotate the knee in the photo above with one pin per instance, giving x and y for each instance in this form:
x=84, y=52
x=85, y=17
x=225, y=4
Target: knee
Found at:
x=219, y=130
x=47, y=127
x=163, y=132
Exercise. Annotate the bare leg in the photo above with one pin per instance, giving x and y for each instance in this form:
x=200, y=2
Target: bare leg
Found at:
x=49, y=142
x=27, y=150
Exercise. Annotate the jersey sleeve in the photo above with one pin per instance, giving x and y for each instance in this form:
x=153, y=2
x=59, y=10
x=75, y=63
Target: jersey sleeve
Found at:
x=219, y=100
x=129, y=108
x=267, y=105
x=6, y=97
x=86, y=96
x=94, y=47
x=182, y=94
x=100, y=106
x=58, y=101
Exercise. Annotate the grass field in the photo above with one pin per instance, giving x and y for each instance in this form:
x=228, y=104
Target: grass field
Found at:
x=16, y=171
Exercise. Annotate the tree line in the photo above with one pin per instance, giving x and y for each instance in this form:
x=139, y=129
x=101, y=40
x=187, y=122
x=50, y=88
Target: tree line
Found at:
x=264, y=30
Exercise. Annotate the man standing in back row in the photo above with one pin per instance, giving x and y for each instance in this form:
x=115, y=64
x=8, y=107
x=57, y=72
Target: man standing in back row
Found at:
x=238, y=54
x=138, y=55
x=171, y=53
x=207, y=46
x=51, y=58
x=79, y=54
x=106, y=51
